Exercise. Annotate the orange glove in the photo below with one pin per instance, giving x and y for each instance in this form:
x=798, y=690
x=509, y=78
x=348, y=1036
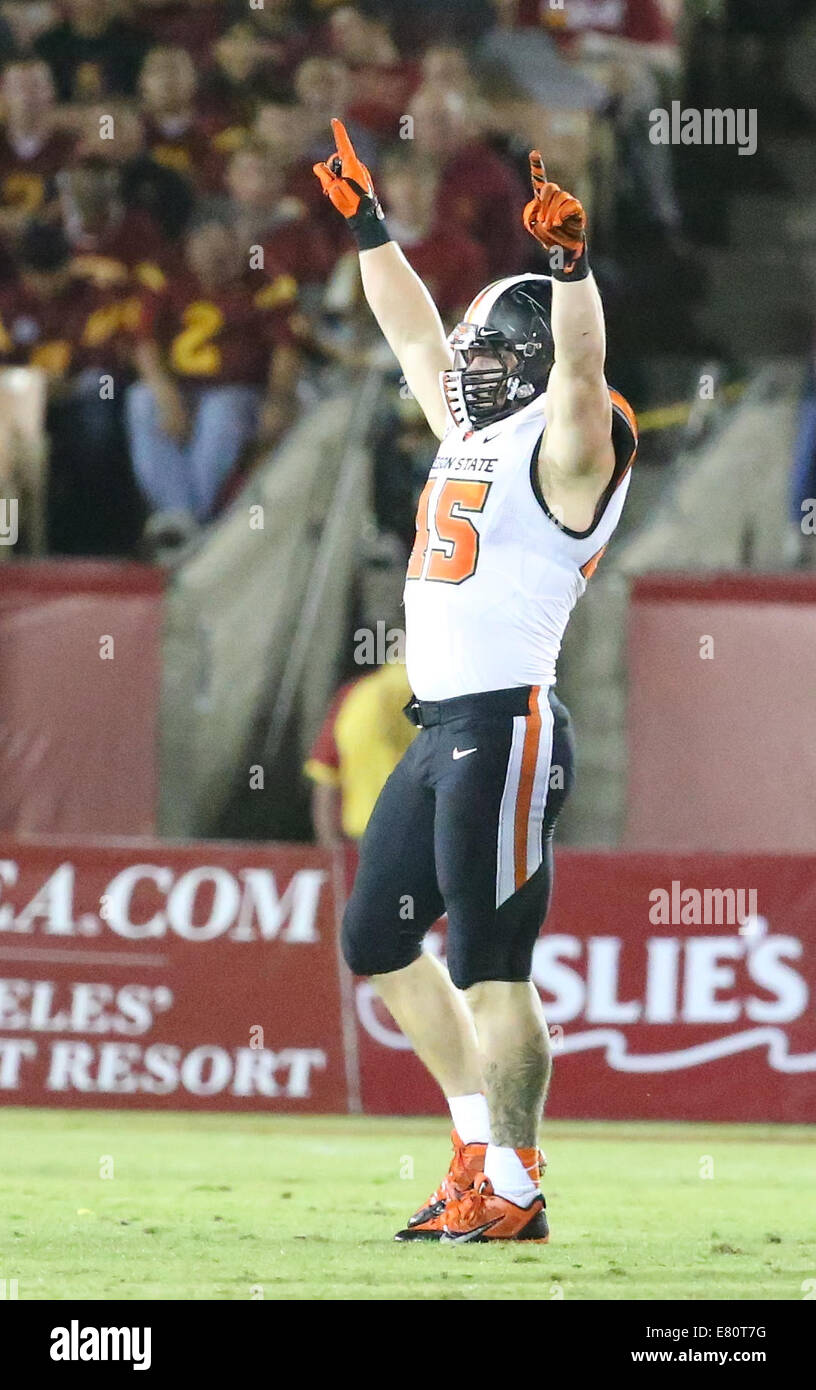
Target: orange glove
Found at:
x=556, y=220
x=348, y=183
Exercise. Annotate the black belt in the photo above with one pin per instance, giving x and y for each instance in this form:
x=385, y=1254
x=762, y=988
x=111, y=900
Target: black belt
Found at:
x=426, y=713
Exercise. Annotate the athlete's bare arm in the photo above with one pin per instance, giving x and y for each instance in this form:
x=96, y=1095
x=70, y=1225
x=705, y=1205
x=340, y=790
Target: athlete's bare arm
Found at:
x=411, y=326
x=576, y=458
x=397, y=297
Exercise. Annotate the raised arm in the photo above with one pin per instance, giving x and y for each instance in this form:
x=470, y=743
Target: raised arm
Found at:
x=576, y=458
x=397, y=297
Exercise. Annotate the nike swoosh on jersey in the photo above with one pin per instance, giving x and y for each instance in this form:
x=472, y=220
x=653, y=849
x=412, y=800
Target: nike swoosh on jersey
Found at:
x=463, y=752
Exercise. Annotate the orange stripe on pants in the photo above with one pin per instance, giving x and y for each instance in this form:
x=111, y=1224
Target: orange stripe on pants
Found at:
x=529, y=758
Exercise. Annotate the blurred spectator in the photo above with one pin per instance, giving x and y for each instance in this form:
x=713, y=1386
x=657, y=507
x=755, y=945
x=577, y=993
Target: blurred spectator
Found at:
x=363, y=737
x=286, y=23
x=452, y=264
x=530, y=57
x=111, y=244
x=324, y=90
x=360, y=40
x=32, y=148
x=242, y=73
x=448, y=65
x=93, y=51
x=264, y=216
x=166, y=196
x=381, y=81
x=478, y=190
x=286, y=131
x=285, y=128
x=23, y=20
x=218, y=364
x=69, y=327
x=638, y=21
x=191, y=24
x=175, y=134
x=281, y=36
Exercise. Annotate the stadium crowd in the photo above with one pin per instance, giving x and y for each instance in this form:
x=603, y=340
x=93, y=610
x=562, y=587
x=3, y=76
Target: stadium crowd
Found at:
x=167, y=258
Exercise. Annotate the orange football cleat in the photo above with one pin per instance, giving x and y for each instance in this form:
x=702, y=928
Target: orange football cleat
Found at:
x=480, y=1215
x=465, y=1166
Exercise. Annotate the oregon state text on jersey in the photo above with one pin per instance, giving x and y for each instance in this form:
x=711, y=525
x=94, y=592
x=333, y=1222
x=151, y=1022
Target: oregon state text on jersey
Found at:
x=493, y=577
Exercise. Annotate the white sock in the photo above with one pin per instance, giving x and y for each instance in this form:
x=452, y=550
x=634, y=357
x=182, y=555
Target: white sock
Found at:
x=470, y=1118
x=508, y=1175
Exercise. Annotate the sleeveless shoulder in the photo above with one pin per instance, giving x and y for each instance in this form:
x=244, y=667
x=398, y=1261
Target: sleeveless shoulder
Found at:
x=624, y=435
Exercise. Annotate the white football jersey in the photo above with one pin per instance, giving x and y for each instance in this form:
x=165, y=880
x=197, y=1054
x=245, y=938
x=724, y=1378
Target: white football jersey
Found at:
x=493, y=576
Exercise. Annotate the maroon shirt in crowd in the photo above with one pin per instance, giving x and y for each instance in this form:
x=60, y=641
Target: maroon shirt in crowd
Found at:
x=486, y=197
x=75, y=329
x=452, y=265
x=222, y=337
x=28, y=182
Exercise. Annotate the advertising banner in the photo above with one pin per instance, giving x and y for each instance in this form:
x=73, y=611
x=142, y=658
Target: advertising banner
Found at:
x=142, y=974
x=159, y=976
x=675, y=987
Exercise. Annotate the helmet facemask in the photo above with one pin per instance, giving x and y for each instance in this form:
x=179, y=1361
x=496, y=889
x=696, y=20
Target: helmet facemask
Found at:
x=483, y=395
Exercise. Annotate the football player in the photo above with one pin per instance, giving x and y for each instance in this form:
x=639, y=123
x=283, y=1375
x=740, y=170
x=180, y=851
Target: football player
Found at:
x=526, y=489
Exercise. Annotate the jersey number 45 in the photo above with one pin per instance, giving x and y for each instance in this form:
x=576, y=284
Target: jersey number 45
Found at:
x=454, y=554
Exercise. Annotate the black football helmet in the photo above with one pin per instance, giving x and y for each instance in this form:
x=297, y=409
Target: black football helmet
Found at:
x=509, y=322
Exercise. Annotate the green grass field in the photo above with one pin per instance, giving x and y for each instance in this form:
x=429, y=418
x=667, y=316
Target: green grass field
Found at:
x=241, y=1207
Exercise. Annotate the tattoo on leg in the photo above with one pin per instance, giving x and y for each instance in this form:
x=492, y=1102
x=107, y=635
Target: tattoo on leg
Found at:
x=516, y=1088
